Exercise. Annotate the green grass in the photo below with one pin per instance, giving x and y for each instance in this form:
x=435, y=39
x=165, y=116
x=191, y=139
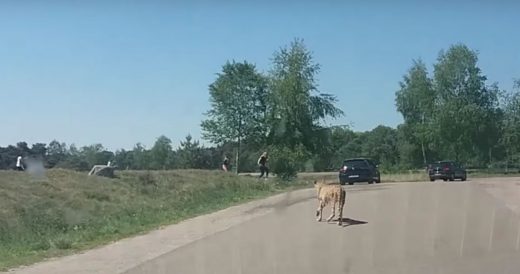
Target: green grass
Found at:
x=69, y=211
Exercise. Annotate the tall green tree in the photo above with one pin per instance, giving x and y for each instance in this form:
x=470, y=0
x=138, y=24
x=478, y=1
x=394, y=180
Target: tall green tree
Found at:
x=415, y=101
x=465, y=107
x=511, y=125
x=296, y=106
x=238, y=106
x=297, y=110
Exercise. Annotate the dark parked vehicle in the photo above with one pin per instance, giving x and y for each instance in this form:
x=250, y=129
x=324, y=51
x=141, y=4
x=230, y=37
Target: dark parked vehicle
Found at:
x=446, y=170
x=359, y=170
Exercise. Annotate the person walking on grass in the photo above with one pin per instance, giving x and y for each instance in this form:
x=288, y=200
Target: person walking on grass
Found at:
x=19, y=165
x=225, y=164
x=262, y=163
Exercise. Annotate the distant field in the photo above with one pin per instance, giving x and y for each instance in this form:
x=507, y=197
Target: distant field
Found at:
x=69, y=211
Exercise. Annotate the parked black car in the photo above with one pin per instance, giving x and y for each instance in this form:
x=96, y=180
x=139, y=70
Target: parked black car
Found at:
x=446, y=170
x=359, y=170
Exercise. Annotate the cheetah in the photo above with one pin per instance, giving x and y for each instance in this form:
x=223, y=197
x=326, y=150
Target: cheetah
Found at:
x=330, y=193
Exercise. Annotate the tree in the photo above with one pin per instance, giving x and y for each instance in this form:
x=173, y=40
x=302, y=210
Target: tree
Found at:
x=38, y=150
x=296, y=106
x=96, y=154
x=23, y=149
x=410, y=154
x=238, y=106
x=380, y=144
x=75, y=159
x=161, y=153
x=511, y=125
x=415, y=101
x=190, y=154
x=8, y=156
x=335, y=142
x=123, y=159
x=465, y=107
x=140, y=157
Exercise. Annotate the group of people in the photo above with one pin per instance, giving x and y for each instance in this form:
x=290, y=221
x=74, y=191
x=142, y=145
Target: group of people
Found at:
x=226, y=165
x=262, y=164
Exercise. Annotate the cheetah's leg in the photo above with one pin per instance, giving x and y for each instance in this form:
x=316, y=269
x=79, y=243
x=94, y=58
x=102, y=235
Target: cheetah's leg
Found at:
x=341, y=205
x=319, y=211
x=333, y=212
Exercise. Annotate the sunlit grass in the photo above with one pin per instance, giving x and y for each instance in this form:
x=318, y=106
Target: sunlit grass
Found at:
x=68, y=211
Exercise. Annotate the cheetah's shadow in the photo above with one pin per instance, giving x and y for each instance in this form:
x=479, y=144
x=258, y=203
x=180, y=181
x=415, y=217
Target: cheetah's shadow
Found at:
x=348, y=222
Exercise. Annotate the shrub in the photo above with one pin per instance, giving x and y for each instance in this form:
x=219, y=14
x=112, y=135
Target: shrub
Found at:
x=286, y=162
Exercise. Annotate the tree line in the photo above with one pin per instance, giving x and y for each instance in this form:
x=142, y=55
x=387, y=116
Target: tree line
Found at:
x=449, y=113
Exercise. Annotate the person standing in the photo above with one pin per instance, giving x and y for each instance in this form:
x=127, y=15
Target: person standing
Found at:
x=225, y=164
x=19, y=165
x=262, y=163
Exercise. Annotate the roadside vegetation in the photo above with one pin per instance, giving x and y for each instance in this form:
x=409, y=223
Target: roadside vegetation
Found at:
x=67, y=211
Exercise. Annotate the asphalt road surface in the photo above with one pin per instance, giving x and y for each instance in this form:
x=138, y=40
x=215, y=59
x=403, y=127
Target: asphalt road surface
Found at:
x=441, y=227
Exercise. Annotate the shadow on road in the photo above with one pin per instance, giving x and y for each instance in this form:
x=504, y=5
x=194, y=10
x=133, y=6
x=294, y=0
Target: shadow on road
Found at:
x=349, y=222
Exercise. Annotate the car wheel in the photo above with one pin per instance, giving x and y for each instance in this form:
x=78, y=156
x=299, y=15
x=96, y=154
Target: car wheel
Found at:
x=378, y=181
x=445, y=179
x=452, y=178
x=370, y=182
x=463, y=178
x=432, y=179
x=351, y=183
x=342, y=183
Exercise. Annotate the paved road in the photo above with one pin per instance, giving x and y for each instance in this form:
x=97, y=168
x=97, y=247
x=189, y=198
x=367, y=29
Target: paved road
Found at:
x=471, y=227
x=437, y=227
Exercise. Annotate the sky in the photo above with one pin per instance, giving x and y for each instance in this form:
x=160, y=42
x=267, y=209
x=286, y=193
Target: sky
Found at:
x=122, y=72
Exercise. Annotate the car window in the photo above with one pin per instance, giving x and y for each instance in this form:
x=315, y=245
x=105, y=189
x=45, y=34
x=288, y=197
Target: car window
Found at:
x=435, y=165
x=355, y=163
x=446, y=163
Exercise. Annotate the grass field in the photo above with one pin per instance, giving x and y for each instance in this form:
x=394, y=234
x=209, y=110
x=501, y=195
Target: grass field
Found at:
x=67, y=211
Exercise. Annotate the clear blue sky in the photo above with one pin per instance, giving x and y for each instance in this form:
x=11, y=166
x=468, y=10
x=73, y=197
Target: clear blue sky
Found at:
x=144, y=67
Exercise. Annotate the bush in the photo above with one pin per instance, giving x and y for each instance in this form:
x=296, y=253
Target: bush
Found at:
x=63, y=243
x=42, y=244
x=285, y=163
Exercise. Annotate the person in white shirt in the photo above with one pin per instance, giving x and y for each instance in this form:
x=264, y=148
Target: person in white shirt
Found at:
x=19, y=165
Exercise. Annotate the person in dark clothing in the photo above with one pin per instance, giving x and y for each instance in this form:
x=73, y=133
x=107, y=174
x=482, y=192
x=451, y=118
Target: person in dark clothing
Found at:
x=262, y=163
x=225, y=164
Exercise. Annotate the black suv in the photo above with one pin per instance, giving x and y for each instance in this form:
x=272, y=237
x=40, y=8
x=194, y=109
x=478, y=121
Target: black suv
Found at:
x=446, y=170
x=359, y=170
